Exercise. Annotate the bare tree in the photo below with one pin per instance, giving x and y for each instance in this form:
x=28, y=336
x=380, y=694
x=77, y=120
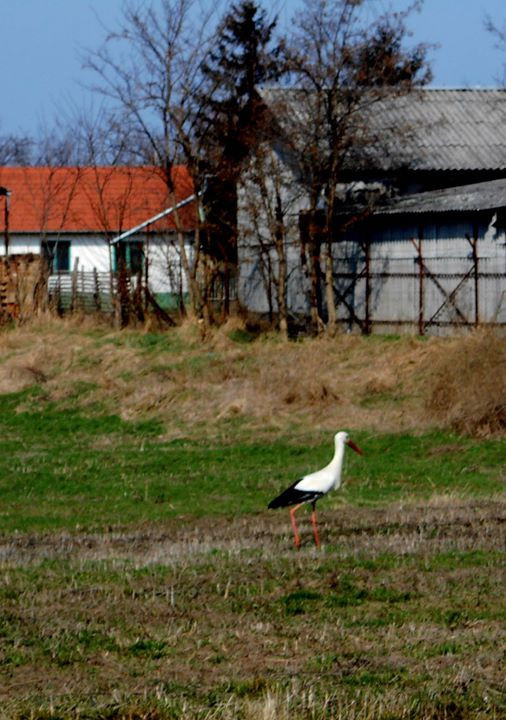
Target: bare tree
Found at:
x=98, y=137
x=345, y=59
x=15, y=149
x=244, y=55
x=269, y=221
x=148, y=71
x=498, y=32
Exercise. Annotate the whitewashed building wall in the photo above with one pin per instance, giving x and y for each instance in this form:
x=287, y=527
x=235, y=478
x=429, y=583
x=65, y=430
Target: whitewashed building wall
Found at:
x=92, y=252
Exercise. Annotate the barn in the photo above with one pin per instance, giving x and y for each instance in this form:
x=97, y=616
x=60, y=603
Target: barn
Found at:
x=424, y=247
x=430, y=262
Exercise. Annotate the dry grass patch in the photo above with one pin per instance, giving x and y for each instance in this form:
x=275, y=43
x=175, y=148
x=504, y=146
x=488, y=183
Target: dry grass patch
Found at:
x=398, y=616
x=468, y=391
x=375, y=383
x=442, y=525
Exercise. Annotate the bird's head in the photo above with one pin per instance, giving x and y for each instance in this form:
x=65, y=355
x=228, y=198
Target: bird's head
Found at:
x=344, y=439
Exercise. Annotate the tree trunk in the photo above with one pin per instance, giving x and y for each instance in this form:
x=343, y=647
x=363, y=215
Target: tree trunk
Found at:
x=282, y=300
x=315, y=293
x=282, y=269
x=193, y=289
x=329, y=290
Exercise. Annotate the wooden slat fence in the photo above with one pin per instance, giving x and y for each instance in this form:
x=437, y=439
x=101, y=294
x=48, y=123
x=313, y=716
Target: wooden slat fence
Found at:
x=82, y=291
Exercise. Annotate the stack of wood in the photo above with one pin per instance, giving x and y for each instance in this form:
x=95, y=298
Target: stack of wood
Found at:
x=20, y=286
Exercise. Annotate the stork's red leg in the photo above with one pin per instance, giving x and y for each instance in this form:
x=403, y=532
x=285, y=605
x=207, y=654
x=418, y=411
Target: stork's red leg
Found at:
x=315, y=528
x=294, y=525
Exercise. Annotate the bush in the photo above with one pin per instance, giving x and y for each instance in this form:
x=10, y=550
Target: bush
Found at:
x=469, y=385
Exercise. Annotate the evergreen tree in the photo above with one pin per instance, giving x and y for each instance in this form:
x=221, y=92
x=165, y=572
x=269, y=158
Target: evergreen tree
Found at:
x=244, y=57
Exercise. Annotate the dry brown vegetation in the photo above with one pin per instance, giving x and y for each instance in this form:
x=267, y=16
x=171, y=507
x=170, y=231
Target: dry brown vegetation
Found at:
x=469, y=385
x=385, y=384
x=398, y=617
x=352, y=532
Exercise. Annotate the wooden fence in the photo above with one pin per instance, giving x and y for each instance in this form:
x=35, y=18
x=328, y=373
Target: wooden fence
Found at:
x=82, y=291
x=121, y=295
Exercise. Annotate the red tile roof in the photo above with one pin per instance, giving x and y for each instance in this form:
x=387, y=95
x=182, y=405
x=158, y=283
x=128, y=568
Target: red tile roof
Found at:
x=105, y=200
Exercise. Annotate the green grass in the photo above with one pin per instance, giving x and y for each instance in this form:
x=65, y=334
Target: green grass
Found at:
x=142, y=577
x=63, y=469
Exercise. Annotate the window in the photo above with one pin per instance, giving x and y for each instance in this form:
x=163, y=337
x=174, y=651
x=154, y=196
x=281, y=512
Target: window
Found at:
x=57, y=255
x=131, y=254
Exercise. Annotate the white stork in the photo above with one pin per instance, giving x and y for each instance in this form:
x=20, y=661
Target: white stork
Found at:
x=312, y=487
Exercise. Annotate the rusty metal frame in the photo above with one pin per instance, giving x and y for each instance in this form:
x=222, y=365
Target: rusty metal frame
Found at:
x=341, y=296
x=423, y=274
x=449, y=297
x=474, y=249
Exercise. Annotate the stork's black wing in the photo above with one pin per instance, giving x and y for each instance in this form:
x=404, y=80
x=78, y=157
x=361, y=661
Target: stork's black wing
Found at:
x=292, y=496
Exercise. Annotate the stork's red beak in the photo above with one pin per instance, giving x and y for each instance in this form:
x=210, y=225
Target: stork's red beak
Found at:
x=351, y=444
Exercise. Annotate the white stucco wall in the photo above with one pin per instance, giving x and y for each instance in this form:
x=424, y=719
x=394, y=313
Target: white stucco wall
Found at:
x=165, y=271
x=92, y=252
x=89, y=252
x=19, y=244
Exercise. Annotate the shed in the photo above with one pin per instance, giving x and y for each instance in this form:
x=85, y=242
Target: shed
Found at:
x=429, y=262
x=429, y=258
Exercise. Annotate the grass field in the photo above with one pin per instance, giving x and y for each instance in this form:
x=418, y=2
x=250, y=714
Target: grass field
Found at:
x=141, y=575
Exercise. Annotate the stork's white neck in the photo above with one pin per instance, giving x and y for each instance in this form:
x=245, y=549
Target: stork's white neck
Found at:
x=337, y=462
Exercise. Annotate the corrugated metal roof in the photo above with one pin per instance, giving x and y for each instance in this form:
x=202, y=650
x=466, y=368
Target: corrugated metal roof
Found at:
x=489, y=195
x=429, y=129
x=447, y=129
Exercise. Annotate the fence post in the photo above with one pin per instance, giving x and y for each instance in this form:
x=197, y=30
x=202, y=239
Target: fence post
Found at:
x=473, y=242
x=421, y=276
x=367, y=251
x=476, y=276
x=73, y=294
x=81, y=292
x=96, y=291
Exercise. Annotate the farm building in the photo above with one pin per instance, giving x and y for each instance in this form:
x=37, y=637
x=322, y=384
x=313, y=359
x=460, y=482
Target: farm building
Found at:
x=420, y=241
x=427, y=263
x=72, y=216
x=428, y=254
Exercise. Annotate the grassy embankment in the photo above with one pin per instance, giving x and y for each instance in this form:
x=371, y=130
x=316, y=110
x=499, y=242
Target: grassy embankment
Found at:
x=142, y=576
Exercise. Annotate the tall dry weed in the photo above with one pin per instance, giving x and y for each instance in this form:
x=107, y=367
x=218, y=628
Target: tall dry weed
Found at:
x=469, y=385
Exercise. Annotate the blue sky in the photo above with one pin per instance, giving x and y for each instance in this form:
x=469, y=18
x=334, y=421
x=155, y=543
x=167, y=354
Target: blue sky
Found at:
x=41, y=45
